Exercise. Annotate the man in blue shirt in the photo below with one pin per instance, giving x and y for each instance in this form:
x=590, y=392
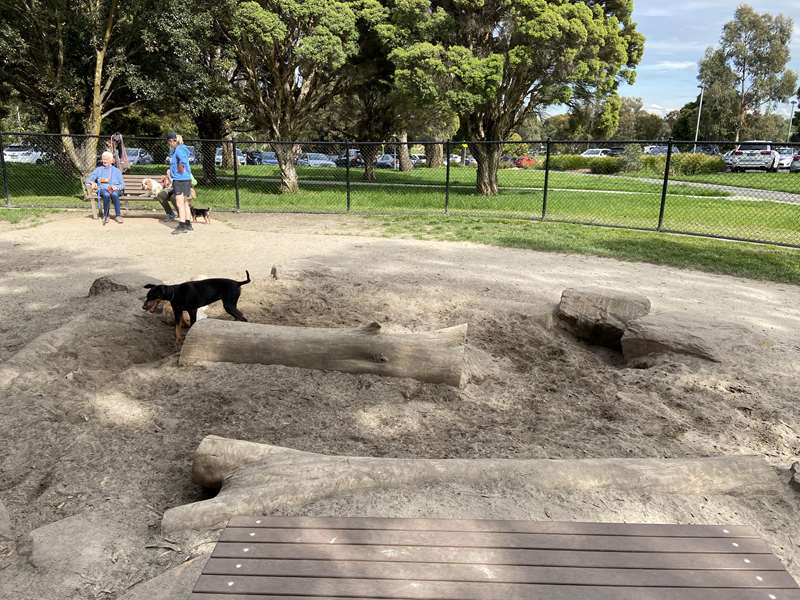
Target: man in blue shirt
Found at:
x=180, y=171
x=107, y=181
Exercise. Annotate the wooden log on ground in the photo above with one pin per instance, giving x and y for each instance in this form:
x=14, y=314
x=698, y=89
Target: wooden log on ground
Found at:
x=433, y=357
x=260, y=478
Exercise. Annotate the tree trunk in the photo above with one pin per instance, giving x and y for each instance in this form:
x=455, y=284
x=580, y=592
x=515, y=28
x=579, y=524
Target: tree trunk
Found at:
x=209, y=128
x=262, y=479
x=435, y=155
x=227, y=153
x=488, y=157
x=369, y=154
x=85, y=157
x=287, y=157
x=403, y=152
x=435, y=357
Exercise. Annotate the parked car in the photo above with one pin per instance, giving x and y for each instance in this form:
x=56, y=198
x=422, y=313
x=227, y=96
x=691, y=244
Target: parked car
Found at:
x=418, y=160
x=251, y=157
x=659, y=150
x=138, y=156
x=354, y=159
x=727, y=158
x=387, y=161
x=455, y=159
x=315, y=159
x=709, y=150
x=795, y=166
x=596, y=152
x=525, y=162
x=617, y=151
x=785, y=157
x=470, y=161
x=756, y=154
x=218, y=156
x=269, y=158
x=19, y=153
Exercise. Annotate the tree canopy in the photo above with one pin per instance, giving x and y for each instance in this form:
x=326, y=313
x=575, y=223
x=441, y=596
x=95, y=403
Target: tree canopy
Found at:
x=748, y=69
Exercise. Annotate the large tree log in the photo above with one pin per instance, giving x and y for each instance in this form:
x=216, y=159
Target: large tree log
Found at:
x=259, y=478
x=435, y=357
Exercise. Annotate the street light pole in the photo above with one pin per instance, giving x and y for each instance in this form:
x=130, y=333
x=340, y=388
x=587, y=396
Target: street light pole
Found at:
x=791, y=117
x=699, y=110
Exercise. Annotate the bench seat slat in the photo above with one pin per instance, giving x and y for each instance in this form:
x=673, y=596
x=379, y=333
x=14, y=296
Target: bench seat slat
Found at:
x=417, y=589
x=499, y=540
x=498, y=526
x=491, y=556
x=498, y=573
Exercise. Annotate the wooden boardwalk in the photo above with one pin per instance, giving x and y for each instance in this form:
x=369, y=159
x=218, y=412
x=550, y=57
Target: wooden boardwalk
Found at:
x=298, y=558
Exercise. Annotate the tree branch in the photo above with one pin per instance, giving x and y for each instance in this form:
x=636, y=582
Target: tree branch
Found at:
x=116, y=108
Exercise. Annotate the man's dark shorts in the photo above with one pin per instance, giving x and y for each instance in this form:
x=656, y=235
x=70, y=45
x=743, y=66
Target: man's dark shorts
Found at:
x=182, y=187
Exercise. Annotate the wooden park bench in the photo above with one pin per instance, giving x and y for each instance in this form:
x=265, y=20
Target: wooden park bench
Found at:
x=133, y=191
x=261, y=558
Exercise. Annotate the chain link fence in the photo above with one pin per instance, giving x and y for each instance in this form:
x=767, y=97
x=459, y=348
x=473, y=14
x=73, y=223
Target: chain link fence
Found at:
x=748, y=191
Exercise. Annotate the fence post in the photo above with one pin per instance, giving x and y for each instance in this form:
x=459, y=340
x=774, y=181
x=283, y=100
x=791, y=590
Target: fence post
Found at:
x=236, y=173
x=347, y=170
x=447, y=176
x=5, y=174
x=546, y=178
x=665, y=186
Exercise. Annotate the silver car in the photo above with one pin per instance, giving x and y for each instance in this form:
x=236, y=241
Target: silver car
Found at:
x=785, y=157
x=795, y=166
x=756, y=154
x=17, y=153
x=315, y=159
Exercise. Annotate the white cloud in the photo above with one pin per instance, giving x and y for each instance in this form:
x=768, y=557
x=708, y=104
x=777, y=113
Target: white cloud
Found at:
x=669, y=65
x=658, y=109
x=676, y=45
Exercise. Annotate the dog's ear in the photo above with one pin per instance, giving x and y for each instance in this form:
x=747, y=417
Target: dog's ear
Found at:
x=149, y=285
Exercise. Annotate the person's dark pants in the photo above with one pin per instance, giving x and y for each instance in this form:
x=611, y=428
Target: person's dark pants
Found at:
x=107, y=197
x=167, y=200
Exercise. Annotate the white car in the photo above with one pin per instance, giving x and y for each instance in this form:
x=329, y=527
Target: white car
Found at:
x=17, y=153
x=218, y=157
x=596, y=152
x=387, y=161
x=756, y=154
x=315, y=159
x=785, y=157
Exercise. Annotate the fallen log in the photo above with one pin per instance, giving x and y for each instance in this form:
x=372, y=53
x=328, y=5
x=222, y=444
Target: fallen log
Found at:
x=433, y=357
x=260, y=478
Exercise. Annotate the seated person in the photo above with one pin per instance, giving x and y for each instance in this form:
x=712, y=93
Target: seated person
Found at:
x=167, y=199
x=107, y=181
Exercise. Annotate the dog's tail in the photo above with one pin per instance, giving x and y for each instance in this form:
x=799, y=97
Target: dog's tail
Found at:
x=248, y=278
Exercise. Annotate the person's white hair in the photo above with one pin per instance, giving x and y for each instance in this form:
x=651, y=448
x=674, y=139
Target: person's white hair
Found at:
x=108, y=154
x=179, y=138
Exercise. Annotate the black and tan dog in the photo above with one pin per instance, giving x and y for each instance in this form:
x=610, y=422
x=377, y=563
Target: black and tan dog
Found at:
x=191, y=295
x=201, y=212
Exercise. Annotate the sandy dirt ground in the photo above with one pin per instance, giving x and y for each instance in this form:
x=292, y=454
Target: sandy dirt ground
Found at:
x=98, y=421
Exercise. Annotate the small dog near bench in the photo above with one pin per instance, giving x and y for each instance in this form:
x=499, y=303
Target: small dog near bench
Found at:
x=201, y=212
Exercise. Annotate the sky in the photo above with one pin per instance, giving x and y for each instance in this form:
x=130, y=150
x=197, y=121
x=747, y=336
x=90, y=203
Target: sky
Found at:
x=677, y=33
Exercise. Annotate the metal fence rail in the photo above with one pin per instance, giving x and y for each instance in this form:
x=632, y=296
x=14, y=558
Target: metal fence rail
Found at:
x=714, y=189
